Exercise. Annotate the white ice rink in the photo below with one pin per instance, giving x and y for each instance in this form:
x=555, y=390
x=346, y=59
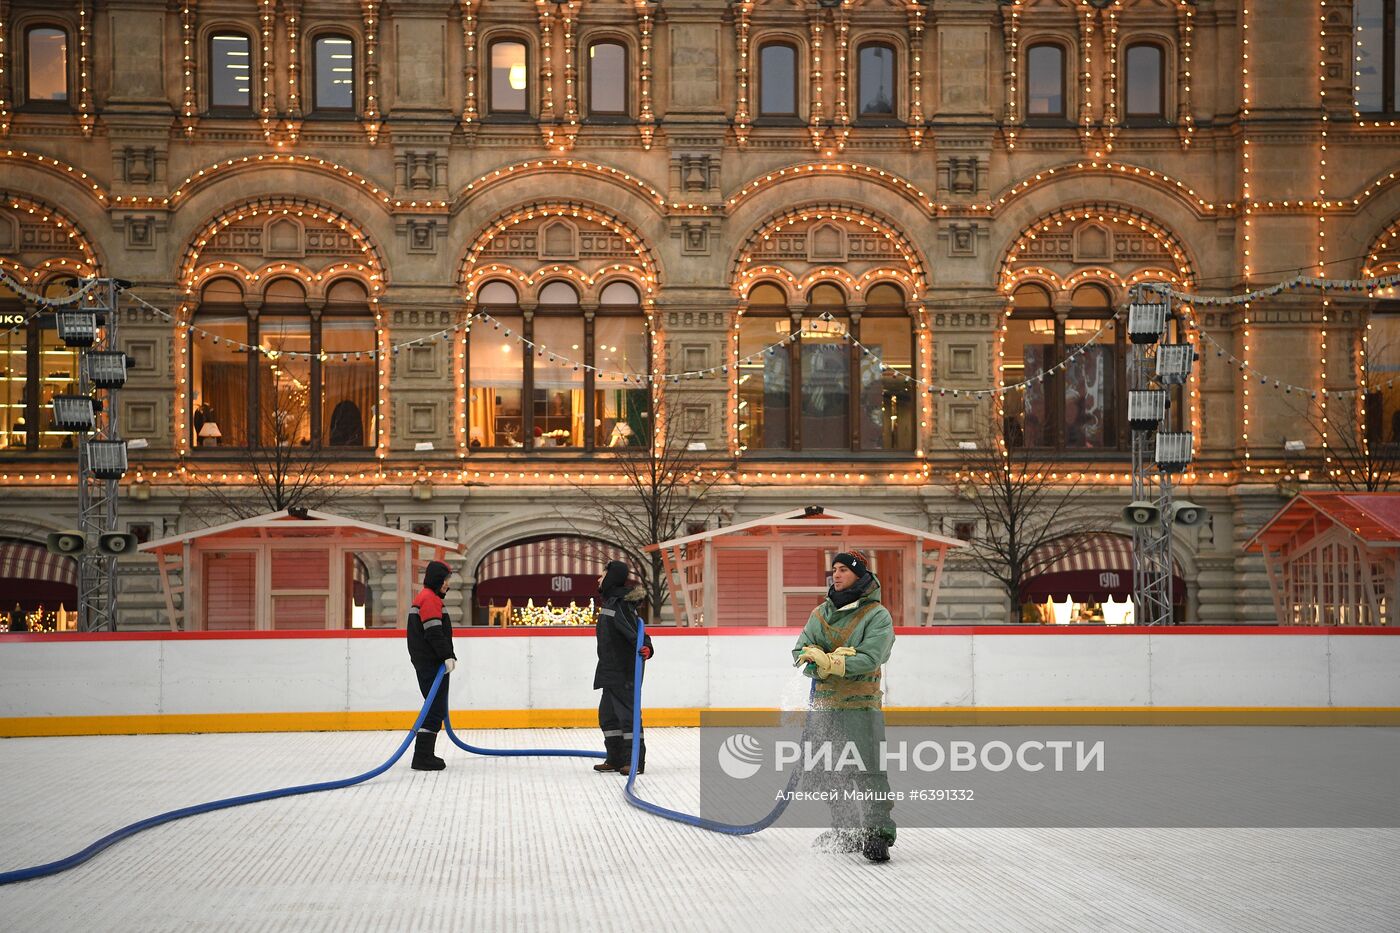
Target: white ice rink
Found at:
x=546, y=844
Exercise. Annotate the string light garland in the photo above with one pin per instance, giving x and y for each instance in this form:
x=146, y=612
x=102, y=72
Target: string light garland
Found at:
x=646, y=121
x=1011, y=28
x=544, y=9
x=86, y=117
x=1247, y=201
x=1322, y=215
x=266, y=111
x=469, y=71
x=915, y=13
x=1086, y=52
x=1186, y=28
x=291, y=13
x=842, y=26
x=189, y=102
x=4, y=68
x=743, y=12
x=1111, y=119
x=816, y=23
x=569, y=11
x=198, y=179
x=371, y=116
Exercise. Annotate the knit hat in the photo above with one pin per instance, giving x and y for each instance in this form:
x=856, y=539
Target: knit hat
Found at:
x=436, y=575
x=856, y=561
x=614, y=580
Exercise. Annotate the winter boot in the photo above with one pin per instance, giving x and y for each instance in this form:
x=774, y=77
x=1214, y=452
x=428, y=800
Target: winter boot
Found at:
x=876, y=847
x=423, y=757
x=613, y=762
x=838, y=840
x=626, y=766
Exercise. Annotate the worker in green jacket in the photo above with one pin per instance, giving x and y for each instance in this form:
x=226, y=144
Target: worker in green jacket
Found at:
x=844, y=644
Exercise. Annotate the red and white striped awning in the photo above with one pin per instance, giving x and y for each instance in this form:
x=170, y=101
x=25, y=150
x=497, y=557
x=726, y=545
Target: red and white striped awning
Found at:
x=1088, y=568
x=20, y=560
x=556, y=556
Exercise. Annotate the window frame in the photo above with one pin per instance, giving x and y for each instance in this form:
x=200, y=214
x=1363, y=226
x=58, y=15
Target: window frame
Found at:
x=36, y=410
x=526, y=332
x=796, y=112
x=795, y=314
x=1066, y=105
x=1131, y=117
x=896, y=99
x=1390, y=81
x=608, y=115
x=214, y=109
x=49, y=106
x=316, y=109
x=527, y=110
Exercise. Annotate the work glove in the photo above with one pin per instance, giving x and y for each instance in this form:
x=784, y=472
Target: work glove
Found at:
x=450, y=664
x=843, y=652
x=645, y=652
x=838, y=661
x=818, y=658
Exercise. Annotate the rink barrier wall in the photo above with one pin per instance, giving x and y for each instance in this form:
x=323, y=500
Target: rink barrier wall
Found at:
x=153, y=682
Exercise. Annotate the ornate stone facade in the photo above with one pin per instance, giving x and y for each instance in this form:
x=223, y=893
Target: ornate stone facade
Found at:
x=948, y=182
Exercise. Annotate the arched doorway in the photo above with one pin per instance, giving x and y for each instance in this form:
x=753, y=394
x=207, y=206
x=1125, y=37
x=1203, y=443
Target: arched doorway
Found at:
x=38, y=590
x=541, y=581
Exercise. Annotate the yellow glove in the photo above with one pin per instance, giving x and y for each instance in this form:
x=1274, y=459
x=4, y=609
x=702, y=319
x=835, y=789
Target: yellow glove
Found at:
x=838, y=661
x=819, y=658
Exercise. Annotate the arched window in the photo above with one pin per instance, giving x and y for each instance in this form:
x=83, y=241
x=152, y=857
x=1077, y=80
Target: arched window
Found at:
x=886, y=361
x=1376, y=75
x=573, y=369
x=35, y=365
x=46, y=65
x=622, y=356
x=349, y=391
x=777, y=80
x=607, y=79
x=219, y=368
x=286, y=395
x=496, y=368
x=1145, y=79
x=765, y=371
x=1045, y=81
x=1072, y=396
x=334, y=75
x=230, y=71
x=510, y=77
x=876, y=80
x=820, y=368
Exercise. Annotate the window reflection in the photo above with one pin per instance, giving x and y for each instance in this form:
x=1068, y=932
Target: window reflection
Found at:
x=1045, y=81
x=230, y=71
x=335, y=73
x=509, y=77
x=777, y=80
x=607, y=78
x=1145, y=86
x=877, y=91
x=47, y=64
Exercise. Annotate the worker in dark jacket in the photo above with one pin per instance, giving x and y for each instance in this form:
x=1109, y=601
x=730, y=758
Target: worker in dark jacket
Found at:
x=430, y=647
x=617, y=646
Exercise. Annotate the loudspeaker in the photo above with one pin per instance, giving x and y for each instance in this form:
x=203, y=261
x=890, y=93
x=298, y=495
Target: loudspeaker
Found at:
x=116, y=543
x=1141, y=513
x=69, y=543
x=1188, y=513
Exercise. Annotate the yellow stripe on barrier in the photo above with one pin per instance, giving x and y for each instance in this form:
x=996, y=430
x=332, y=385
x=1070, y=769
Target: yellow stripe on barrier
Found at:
x=29, y=726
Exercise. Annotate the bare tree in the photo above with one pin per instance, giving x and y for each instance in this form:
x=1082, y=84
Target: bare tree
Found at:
x=280, y=471
x=1359, y=454
x=1026, y=520
x=665, y=490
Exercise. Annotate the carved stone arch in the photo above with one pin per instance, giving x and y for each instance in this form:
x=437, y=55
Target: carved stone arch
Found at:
x=1093, y=243
x=9, y=234
x=1137, y=241
x=40, y=236
x=826, y=242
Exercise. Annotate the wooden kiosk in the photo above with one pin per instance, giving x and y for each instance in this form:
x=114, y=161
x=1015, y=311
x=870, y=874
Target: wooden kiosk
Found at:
x=1333, y=558
x=284, y=571
x=772, y=571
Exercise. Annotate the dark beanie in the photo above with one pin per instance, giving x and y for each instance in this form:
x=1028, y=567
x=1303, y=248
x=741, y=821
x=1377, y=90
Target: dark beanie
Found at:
x=614, y=579
x=854, y=560
x=436, y=575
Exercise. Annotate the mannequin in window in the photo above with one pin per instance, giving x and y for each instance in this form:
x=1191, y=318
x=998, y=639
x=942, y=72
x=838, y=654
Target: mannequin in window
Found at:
x=347, y=430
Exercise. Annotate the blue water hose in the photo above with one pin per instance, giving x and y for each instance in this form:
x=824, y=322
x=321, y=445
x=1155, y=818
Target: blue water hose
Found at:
x=517, y=752
x=730, y=829
x=78, y=858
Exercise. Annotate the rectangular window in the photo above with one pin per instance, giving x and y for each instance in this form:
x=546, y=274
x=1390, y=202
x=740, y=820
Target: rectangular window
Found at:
x=777, y=80
x=621, y=416
x=1144, y=97
x=58, y=375
x=826, y=385
x=509, y=78
x=14, y=379
x=335, y=73
x=284, y=382
x=1045, y=82
x=886, y=394
x=230, y=591
x=47, y=61
x=1090, y=386
x=219, y=376
x=230, y=72
x=764, y=379
x=607, y=78
x=349, y=387
x=497, y=371
x=1030, y=352
x=877, y=90
x=558, y=390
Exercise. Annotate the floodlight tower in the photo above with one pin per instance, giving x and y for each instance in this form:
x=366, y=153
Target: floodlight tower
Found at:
x=91, y=328
x=1158, y=455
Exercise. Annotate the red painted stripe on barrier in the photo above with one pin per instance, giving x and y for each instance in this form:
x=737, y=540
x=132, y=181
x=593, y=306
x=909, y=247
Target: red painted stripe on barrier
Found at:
x=670, y=631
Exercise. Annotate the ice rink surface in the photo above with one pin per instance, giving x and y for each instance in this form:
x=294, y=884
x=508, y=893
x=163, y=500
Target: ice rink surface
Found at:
x=546, y=844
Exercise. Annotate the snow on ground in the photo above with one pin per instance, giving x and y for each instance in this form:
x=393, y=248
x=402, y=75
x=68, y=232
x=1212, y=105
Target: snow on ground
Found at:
x=547, y=844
